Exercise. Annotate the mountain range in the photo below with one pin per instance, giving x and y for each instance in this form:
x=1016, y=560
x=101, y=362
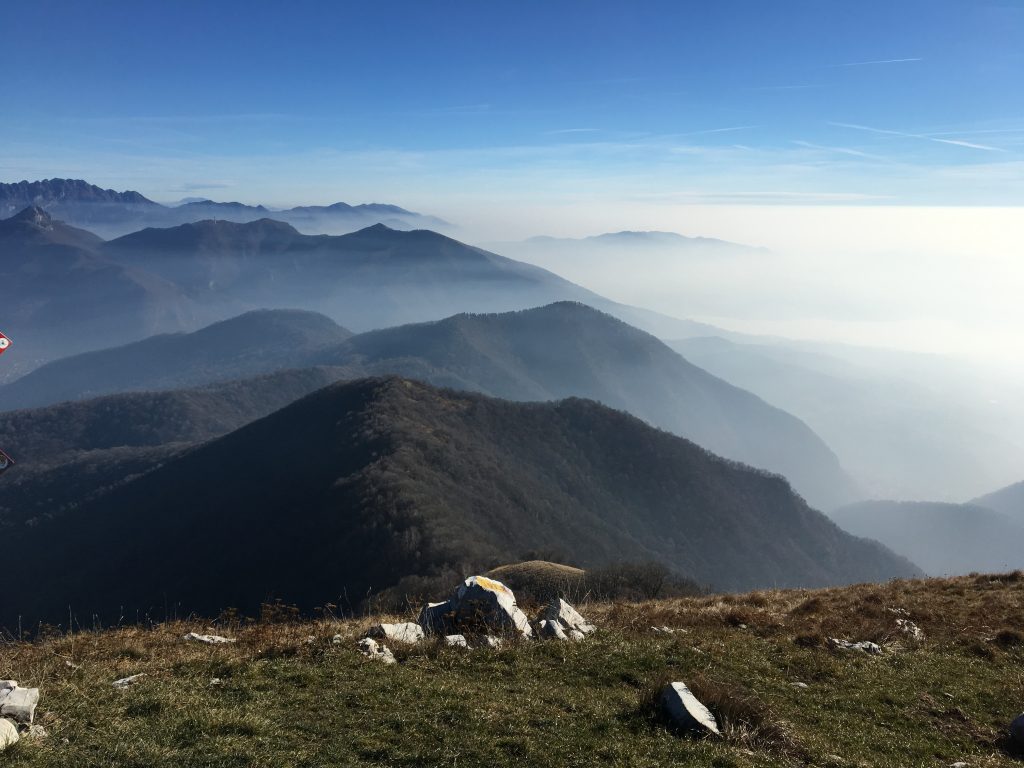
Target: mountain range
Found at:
x=360, y=484
x=59, y=278
x=549, y=353
x=111, y=214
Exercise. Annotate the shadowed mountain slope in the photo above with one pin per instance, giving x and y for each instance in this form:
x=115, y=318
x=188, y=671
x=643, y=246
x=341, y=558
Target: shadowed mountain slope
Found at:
x=571, y=350
x=362, y=483
x=553, y=352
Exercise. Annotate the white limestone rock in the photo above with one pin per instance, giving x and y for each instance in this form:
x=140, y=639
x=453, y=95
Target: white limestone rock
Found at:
x=490, y=641
x=686, y=711
x=19, y=704
x=128, y=682
x=865, y=646
x=456, y=641
x=479, y=605
x=8, y=734
x=209, y=639
x=567, y=616
x=1017, y=731
x=371, y=649
x=907, y=627
x=551, y=630
x=406, y=632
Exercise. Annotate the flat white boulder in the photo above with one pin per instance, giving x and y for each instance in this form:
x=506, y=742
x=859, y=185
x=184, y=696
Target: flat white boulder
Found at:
x=1017, y=731
x=686, y=711
x=209, y=639
x=567, y=616
x=19, y=704
x=371, y=649
x=456, y=641
x=407, y=632
x=8, y=734
x=864, y=646
x=127, y=682
x=551, y=630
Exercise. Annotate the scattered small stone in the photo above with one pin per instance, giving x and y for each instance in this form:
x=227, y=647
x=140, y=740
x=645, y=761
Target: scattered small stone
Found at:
x=742, y=626
x=8, y=734
x=865, y=646
x=209, y=639
x=958, y=765
x=490, y=641
x=407, y=632
x=456, y=641
x=800, y=685
x=19, y=704
x=337, y=639
x=126, y=682
x=551, y=630
x=1017, y=730
x=900, y=612
x=686, y=711
x=907, y=627
x=670, y=630
x=575, y=634
x=35, y=733
x=566, y=616
x=371, y=649
x=216, y=682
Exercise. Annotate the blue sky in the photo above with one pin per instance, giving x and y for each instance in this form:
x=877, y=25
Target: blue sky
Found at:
x=852, y=97
x=776, y=123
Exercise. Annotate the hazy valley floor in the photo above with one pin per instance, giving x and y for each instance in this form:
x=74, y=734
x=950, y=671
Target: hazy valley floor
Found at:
x=287, y=695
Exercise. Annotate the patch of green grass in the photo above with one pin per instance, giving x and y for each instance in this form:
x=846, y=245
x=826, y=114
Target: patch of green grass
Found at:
x=283, y=701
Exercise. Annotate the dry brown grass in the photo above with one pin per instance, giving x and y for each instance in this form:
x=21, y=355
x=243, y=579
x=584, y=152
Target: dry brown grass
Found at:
x=983, y=608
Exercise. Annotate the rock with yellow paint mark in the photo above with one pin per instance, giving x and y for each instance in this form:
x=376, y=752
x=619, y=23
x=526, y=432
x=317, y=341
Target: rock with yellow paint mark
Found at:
x=488, y=605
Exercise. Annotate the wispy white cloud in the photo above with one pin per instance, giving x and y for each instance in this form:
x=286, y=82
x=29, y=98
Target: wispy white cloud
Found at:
x=571, y=130
x=730, y=129
x=922, y=136
x=877, y=61
x=839, y=150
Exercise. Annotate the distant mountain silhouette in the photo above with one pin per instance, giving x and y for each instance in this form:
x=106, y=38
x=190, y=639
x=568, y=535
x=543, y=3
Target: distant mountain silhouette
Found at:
x=360, y=484
x=557, y=351
x=943, y=539
x=111, y=214
x=1009, y=501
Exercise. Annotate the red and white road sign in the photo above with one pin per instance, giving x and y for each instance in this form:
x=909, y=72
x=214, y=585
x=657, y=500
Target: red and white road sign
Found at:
x=6, y=462
x=4, y=343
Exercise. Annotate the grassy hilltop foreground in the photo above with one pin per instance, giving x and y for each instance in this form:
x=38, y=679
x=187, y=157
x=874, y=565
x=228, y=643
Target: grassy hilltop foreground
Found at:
x=284, y=694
